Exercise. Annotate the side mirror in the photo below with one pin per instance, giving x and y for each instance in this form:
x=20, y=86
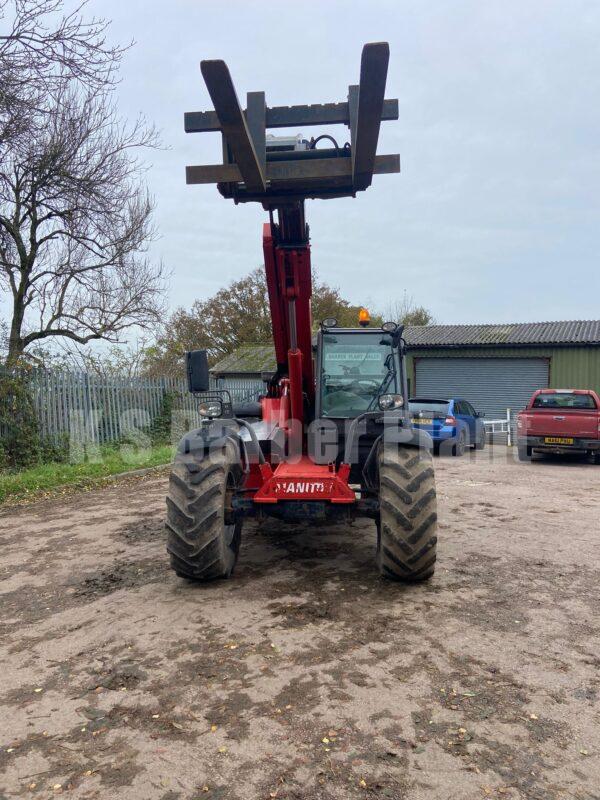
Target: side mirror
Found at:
x=197, y=371
x=480, y=414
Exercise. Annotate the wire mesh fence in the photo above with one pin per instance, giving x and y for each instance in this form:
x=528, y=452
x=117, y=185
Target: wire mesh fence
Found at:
x=80, y=406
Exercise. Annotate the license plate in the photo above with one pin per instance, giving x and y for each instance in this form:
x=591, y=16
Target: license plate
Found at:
x=422, y=421
x=557, y=440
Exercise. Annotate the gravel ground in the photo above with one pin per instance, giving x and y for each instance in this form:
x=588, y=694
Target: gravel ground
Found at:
x=307, y=675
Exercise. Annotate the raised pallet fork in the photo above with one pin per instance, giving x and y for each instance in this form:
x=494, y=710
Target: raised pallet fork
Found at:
x=250, y=172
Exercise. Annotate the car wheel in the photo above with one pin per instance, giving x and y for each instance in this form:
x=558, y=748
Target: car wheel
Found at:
x=459, y=448
x=524, y=453
x=480, y=443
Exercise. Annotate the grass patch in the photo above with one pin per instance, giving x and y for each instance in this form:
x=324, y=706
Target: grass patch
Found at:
x=43, y=479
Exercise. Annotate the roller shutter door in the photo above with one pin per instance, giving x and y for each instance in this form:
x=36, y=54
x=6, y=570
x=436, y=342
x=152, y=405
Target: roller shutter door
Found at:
x=491, y=385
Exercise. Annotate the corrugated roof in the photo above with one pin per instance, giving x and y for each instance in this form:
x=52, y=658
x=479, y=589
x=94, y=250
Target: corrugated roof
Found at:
x=258, y=358
x=248, y=358
x=520, y=333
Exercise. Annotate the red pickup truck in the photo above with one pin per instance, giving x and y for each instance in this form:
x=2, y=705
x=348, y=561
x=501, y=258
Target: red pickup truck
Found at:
x=560, y=421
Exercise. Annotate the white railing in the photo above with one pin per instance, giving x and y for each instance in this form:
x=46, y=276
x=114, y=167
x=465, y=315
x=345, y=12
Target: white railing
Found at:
x=504, y=426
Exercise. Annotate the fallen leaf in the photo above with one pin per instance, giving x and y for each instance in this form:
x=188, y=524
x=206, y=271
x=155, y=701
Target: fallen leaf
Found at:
x=325, y=740
x=38, y=690
x=362, y=782
x=222, y=749
x=533, y=716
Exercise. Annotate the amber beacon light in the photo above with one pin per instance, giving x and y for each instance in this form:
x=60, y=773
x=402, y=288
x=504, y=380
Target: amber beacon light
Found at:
x=364, y=318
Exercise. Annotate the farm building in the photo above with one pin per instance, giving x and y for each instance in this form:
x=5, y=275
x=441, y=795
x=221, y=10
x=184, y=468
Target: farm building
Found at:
x=495, y=367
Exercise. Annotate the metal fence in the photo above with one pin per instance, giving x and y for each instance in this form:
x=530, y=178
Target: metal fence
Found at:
x=83, y=407
x=92, y=408
x=504, y=430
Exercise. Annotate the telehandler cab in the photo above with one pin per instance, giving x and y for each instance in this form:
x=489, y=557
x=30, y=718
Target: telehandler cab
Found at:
x=331, y=439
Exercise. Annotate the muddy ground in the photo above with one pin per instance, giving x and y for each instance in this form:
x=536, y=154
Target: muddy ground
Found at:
x=307, y=675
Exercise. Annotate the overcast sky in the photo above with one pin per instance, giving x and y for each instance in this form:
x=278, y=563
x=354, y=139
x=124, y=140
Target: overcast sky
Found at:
x=495, y=215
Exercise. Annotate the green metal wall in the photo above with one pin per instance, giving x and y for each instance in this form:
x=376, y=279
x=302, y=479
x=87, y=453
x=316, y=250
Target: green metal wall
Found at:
x=570, y=367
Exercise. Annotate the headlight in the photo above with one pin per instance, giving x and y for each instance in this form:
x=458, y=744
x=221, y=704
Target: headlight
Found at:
x=210, y=408
x=390, y=402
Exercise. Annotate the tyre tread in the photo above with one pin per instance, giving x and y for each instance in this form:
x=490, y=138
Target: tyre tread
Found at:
x=408, y=515
x=195, y=518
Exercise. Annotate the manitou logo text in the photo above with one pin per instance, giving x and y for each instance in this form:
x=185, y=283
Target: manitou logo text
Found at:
x=301, y=487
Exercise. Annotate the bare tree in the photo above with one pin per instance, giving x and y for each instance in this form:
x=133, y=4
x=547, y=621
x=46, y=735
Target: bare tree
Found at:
x=122, y=360
x=75, y=218
x=407, y=312
x=40, y=50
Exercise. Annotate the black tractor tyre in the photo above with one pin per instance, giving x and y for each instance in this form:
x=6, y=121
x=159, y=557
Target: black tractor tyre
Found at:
x=203, y=537
x=524, y=452
x=459, y=448
x=407, y=525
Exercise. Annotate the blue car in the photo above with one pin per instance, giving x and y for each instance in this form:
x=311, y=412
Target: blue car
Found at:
x=453, y=424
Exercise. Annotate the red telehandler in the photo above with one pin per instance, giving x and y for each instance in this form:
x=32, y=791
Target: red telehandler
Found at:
x=331, y=439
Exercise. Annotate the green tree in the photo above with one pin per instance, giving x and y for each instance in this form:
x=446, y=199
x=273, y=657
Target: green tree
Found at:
x=20, y=442
x=236, y=315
